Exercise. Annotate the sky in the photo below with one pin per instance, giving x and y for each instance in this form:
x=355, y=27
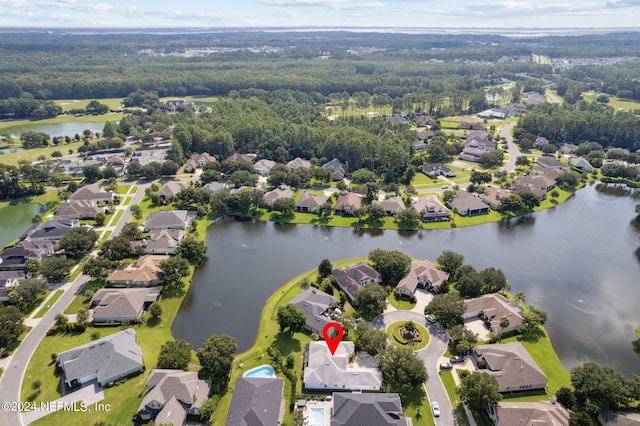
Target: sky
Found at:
x=464, y=14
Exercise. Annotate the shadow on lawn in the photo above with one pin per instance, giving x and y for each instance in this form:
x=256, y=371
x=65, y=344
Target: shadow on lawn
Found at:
x=286, y=343
x=532, y=336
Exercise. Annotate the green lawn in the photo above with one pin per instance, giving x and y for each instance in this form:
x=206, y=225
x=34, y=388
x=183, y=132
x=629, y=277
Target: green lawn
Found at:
x=81, y=301
x=32, y=155
x=458, y=407
x=7, y=124
x=52, y=300
x=461, y=221
x=614, y=101
x=123, y=189
x=394, y=326
x=69, y=104
x=114, y=220
x=400, y=304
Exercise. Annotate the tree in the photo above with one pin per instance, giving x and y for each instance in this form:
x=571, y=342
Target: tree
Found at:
x=391, y=264
x=131, y=231
x=494, y=280
x=532, y=318
x=11, y=325
x=569, y=179
x=522, y=161
x=565, y=397
x=175, y=354
x=408, y=219
x=469, y=282
x=32, y=266
x=191, y=248
x=324, y=268
x=376, y=212
x=513, y=206
x=77, y=242
x=82, y=316
x=290, y=317
x=479, y=390
x=136, y=212
x=216, y=357
x=61, y=320
x=96, y=108
x=370, y=339
x=519, y=297
x=450, y=261
x=370, y=300
x=480, y=177
x=580, y=418
x=172, y=270
x=599, y=388
x=91, y=173
x=492, y=158
x=284, y=205
x=447, y=309
x=117, y=248
x=504, y=323
x=461, y=339
x=56, y=269
x=402, y=371
x=97, y=265
x=155, y=309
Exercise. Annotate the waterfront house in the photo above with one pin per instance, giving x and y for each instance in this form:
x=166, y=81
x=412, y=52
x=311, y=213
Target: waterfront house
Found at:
x=347, y=203
x=431, y=209
x=169, y=219
x=160, y=241
x=276, y=194
x=171, y=188
x=54, y=229
x=392, y=206
x=467, y=204
x=423, y=274
x=353, y=277
x=310, y=203
x=143, y=273
x=81, y=209
x=491, y=308
x=121, y=304
x=315, y=305
x=257, y=401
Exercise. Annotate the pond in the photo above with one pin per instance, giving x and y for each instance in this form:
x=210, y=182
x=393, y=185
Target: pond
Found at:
x=56, y=129
x=576, y=262
x=15, y=220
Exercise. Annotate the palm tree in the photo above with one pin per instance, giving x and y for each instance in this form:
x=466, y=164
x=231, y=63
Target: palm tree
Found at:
x=504, y=323
x=519, y=297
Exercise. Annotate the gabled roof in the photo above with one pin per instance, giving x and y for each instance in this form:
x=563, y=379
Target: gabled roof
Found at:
x=336, y=167
x=277, y=193
x=160, y=239
x=171, y=188
x=314, y=303
x=256, y=401
x=242, y=157
x=348, y=199
x=349, y=277
x=369, y=409
x=466, y=201
x=27, y=249
x=424, y=271
x=311, y=201
x=511, y=365
x=620, y=418
x=54, y=229
x=264, y=164
x=581, y=163
x=550, y=163
x=496, y=306
x=298, y=162
x=429, y=205
x=108, y=357
x=79, y=209
x=215, y=186
x=168, y=219
x=392, y=204
x=145, y=270
x=115, y=303
x=91, y=192
x=531, y=413
x=116, y=159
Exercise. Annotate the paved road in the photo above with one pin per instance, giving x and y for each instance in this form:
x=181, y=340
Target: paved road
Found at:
x=514, y=152
x=430, y=356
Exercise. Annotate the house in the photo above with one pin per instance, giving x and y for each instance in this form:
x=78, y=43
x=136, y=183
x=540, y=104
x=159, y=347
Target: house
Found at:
x=310, y=203
x=148, y=156
x=425, y=134
x=423, y=274
x=54, y=229
x=518, y=186
x=325, y=371
x=431, y=209
x=424, y=120
x=93, y=193
x=491, y=308
x=169, y=219
x=540, y=142
x=9, y=279
x=297, y=163
x=160, y=241
x=351, y=278
x=492, y=113
x=242, y=157
x=528, y=413
x=171, y=188
x=437, y=169
x=478, y=125
x=367, y=409
x=143, y=273
x=511, y=365
x=392, y=205
x=544, y=182
x=215, y=186
x=419, y=145
x=257, y=401
x=172, y=395
x=477, y=144
x=493, y=196
x=619, y=418
x=533, y=98
x=263, y=167
x=81, y=209
x=467, y=204
x=316, y=305
x=337, y=168
x=568, y=148
x=197, y=161
x=550, y=163
x=581, y=163
x=117, y=161
x=16, y=257
x=105, y=360
x=282, y=192
x=347, y=203
x=396, y=119
x=121, y=304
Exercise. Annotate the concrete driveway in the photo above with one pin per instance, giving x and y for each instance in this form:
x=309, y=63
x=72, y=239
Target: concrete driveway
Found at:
x=82, y=399
x=477, y=326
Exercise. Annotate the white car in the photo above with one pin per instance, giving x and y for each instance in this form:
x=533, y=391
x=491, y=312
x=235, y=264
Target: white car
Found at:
x=436, y=409
x=430, y=319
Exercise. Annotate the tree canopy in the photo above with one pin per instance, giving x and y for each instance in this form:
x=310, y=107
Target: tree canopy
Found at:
x=447, y=309
x=391, y=264
x=478, y=391
x=401, y=370
x=370, y=300
x=175, y=354
x=290, y=317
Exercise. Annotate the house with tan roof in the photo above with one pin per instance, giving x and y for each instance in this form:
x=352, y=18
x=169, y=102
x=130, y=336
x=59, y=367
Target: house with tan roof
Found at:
x=310, y=203
x=242, y=157
x=392, y=205
x=143, y=273
x=491, y=307
x=282, y=192
x=353, y=277
x=431, y=209
x=160, y=241
x=263, y=167
x=297, y=163
x=117, y=160
x=493, y=196
x=528, y=413
x=171, y=188
x=172, y=395
x=511, y=365
x=347, y=203
x=315, y=305
x=325, y=371
x=93, y=193
x=467, y=204
x=423, y=274
x=197, y=161
x=121, y=304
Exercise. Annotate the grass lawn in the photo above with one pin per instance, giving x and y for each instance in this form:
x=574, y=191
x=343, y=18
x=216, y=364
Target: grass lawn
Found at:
x=416, y=405
x=458, y=408
x=81, y=301
x=32, y=155
x=614, y=101
x=114, y=220
x=493, y=216
x=447, y=124
x=123, y=189
x=14, y=345
x=421, y=180
x=391, y=330
x=638, y=332
x=52, y=300
x=400, y=304
x=69, y=104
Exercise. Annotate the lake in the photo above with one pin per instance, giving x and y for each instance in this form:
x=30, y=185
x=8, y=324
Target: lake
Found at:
x=56, y=129
x=576, y=262
x=15, y=219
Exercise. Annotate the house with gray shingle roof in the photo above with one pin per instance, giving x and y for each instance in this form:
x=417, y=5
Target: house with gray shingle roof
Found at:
x=550, y=163
x=528, y=413
x=392, y=205
x=297, y=163
x=169, y=219
x=172, y=395
x=160, y=241
x=93, y=193
x=16, y=257
x=215, y=186
x=325, y=371
x=436, y=169
x=316, y=305
x=105, y=360
x=367, y=409
x=353, y=277
x=337, y=168
x=263, y=167
x=282, y=192
x=171, y=188
x=619, y=418
x=257, y=401
x=581, y=163
x=492, y=307
x=81, y=209
x=9, y=279
x=310, y=203
x=121, y=304
x=54, y=229
x=467, y=204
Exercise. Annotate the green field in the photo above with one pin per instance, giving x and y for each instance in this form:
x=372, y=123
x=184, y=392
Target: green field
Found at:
x=52, y=300
x=69, y=104
x=458, y=407
x=32, y=155
x=614, y=101
x=400, y=304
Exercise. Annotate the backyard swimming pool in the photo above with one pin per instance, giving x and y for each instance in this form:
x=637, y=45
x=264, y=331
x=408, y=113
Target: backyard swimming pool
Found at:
x=261, y=371
x=316, y=417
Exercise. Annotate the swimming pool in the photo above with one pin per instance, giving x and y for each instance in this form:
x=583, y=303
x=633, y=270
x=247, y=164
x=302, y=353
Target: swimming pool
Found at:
x=316, y=417
x=261, y=371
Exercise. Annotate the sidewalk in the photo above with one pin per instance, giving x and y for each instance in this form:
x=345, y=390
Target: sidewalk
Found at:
x=456, y=379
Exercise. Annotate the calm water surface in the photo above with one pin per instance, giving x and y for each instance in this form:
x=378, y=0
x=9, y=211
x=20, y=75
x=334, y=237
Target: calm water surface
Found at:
x=16, y=219
x=576, y=262
x=56, y=129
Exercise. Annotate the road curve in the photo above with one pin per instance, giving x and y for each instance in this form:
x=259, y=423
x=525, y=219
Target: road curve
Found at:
x=514, y=152
x=430, y=356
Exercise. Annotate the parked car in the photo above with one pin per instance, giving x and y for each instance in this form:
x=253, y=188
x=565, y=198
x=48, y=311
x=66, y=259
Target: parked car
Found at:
x=436, y=409
x=430, y=319
x=456, y=358
x=446, y=366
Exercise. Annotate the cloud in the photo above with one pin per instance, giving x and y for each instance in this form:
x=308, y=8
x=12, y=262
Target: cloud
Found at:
x=14, y=3
x=523, y=8
x=286, y=13
x=304, y=3
x=622, y=3
x=360, y=6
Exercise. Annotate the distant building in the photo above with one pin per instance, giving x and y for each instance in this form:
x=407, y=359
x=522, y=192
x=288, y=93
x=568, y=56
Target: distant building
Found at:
x=197, y=161
x=423, y=274
x=437, y=169
x=467, y=204
x=297, y=163
x=336, y=167
x=263, y=167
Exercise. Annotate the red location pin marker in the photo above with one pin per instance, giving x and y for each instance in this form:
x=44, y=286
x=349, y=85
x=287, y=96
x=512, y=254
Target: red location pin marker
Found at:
x=327, y=333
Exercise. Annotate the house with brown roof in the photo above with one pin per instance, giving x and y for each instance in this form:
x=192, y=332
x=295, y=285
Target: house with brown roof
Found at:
x=121, y=304
x=491, y=308
x=263, y=167
x=431, y=209
x=242, y=157
x=169, y=219
x=493, y=196
x=310, y=203
x=160, y=241
x=282, y=192
x=511, y=365
x=528, y=413
x=423, y=274
x=143, y=273
x=171, y=188
x=172, y=395
x=476, y=125
x=316, y=306
x=297, y=163
x=467, y=204
x=81, y=209
x=117, y=161
x=197, y=161
x=347, y=203
x=93, y=193
x=540, y=142
x=392, y=205
x=353, y=277
x=425, y=134
x=256, y=401
x=424, y=120
x=437, y=169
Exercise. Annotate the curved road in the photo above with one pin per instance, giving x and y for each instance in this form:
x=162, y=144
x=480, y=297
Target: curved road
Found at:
x=430, y=356
x=514, y=152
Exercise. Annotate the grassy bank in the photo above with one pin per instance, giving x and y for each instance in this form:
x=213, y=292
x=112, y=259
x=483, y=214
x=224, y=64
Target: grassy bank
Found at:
x=638, y=332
